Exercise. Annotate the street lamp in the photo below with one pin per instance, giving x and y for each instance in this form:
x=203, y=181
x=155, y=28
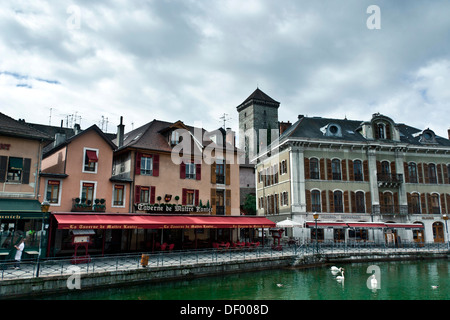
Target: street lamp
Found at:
x=445, y=217
x=316, y=216
x=45, y=206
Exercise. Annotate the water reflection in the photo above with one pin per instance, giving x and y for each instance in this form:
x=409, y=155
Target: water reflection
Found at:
x=398, y=281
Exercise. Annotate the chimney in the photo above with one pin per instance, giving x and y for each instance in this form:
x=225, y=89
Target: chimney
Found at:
x=230, y=137
x=120, y=133
x=284, y=126
x=59, y=138
x=76, y=128
x=448, y=133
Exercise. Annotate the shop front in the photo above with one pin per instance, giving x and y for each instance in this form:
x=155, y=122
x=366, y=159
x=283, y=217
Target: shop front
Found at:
x=364, y=232
x=22, y=219
x=120, y=233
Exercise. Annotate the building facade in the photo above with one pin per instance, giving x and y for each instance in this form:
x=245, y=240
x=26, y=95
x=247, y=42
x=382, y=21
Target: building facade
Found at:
x=374, y=180
x=20, y=210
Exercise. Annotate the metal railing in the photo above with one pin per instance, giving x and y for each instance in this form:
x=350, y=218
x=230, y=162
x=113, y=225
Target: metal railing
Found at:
x=122, y=262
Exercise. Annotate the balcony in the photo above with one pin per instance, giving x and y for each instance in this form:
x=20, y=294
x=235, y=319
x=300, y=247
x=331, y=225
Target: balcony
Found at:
x=83, y=205
x=389, y=210
x=389, y=180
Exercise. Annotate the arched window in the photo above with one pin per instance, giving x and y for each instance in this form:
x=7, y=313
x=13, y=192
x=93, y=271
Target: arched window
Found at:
x=387, y=203
x=385, y=167
x=414, y=206
x=315, y=201
x=381, y=131
x=435, y=207
x=360, y=204
x=412, y=172
x=432, y=177
x=358, y=170
x=337, y=197
x=314, y=168
x=336, y=169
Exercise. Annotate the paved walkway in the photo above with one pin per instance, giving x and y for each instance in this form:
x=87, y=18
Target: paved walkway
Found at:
x=58, y=267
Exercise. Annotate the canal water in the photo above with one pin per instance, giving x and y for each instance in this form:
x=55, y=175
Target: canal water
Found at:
x=399, y=280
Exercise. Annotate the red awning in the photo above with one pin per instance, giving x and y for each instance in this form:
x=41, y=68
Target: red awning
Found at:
x=137, y=221
x=366, y=225
x=326, y=224
x=405, y=225
x=92, y=156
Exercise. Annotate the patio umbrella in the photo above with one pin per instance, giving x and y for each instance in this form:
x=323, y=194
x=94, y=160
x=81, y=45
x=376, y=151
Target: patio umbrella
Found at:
x=288, y=223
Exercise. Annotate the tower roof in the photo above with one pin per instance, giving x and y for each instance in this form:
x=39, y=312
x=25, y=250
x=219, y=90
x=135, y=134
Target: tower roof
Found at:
x=258, y=97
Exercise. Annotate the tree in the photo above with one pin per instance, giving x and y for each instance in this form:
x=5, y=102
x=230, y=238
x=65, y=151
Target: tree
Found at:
x=250, y=204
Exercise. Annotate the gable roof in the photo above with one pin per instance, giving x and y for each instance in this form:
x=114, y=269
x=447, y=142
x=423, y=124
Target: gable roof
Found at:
x=14, y=128
x=80, y=134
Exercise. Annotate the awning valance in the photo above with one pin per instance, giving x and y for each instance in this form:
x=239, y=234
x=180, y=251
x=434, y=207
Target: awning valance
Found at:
x=324, y=224
x=142, y=221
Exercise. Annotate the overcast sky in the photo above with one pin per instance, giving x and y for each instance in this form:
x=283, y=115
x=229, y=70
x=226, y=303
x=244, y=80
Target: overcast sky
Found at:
x=195, y=60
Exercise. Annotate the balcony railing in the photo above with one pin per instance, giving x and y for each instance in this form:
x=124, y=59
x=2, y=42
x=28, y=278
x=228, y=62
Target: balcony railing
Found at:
x=389, y=210
x=389, y=179
x=83, y=205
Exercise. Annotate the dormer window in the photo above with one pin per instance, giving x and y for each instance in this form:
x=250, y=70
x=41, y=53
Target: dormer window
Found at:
x=427, y=136
x=174, y=138
x=381, y=131
x=332, y=130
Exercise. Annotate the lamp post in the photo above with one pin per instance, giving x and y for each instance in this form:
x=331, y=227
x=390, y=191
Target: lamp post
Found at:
x=45, y=205
x=316, y=216
x=445, y=217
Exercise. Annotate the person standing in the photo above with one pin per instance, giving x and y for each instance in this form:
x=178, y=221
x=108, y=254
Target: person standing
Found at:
x=20, y=246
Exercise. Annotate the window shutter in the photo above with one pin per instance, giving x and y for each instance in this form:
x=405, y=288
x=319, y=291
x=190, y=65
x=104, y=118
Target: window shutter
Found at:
x=443, y=208
x=378, y=166
x=198, y=171
x=322, y=169
x=324, y=201
x=137, y=168
x=227, y=174
x=388, y=131
x=353, y=199
x=346, y=202
x=419, y=170
x=152, y=195
x=430, y=204
x=3, y=165
x=183, y=198
x=406, y=171
x=393, y=170
x=351, y=171
x=308, y=201
x=182, y=170
x=26, y=171
x=424, y=203
x=307, y=174
x=156, y=165
x=213, y=173
x=196, y=195
x=446, y=173
x=344, y=170
x=228, y=202
x=439, y=173
x=448, y=202
x=213, y=200
x=331, y=200
x=396, y=207
x=329, y=173
x=368, y=202
x=425, y=171
x=137, y=194
x=366, y=170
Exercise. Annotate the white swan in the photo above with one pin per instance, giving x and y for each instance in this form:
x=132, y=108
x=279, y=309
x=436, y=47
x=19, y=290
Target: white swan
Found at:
x=334, y=268
x=434, y=287
x=279, y=285
x=341, y=278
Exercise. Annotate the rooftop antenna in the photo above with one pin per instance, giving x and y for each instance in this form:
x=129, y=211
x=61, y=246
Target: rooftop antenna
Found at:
x=225, y=119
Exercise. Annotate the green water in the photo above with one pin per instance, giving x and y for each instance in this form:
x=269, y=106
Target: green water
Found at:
x=405, y=280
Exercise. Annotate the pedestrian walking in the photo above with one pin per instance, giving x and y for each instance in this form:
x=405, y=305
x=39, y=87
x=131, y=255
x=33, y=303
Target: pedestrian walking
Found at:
x=20, y=246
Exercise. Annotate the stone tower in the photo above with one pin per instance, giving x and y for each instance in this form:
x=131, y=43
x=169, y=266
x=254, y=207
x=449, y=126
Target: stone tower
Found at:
x=257, y=112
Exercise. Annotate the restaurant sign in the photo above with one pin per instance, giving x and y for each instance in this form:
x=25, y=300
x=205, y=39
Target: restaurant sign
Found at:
x=164, y=208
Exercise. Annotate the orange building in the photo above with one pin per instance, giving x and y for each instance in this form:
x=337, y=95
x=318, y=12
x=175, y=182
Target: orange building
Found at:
x=20, y=162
